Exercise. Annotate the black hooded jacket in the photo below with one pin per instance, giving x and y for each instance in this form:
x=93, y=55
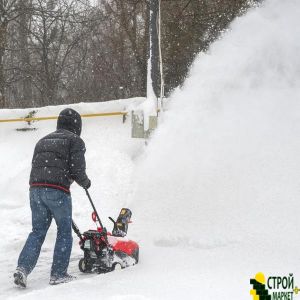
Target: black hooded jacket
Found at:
x=58, y=157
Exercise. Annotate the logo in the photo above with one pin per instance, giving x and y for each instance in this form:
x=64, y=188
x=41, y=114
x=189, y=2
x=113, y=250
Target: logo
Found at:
x=273, y=288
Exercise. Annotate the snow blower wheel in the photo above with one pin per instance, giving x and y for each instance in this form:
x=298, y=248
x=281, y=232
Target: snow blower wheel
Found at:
x=84, y=266
x=117, y=266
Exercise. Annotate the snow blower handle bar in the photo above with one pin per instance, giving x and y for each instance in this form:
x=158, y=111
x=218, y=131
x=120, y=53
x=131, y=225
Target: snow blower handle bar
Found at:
x=94, y=208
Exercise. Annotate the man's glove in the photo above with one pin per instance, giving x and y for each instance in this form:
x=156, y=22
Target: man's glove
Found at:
x=87, y=185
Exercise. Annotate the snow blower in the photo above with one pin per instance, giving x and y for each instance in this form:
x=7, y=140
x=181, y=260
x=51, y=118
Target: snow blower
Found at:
x=104, y=251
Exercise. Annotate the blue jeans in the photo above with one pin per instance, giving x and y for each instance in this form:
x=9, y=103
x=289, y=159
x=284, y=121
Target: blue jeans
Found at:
x=48, y=203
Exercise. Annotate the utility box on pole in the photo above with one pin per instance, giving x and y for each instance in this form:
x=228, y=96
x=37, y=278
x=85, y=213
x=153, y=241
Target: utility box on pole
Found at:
x=137, y=125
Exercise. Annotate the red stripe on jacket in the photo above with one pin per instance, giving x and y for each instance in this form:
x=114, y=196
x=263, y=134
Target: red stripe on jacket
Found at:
x=54, y=186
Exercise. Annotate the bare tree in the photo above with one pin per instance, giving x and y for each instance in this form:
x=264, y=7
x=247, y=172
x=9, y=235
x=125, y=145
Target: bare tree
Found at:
x=63, y=51
x=56, y=29
x=116, y=53
x=127, y=33
x=26, y=95
x=8, y=13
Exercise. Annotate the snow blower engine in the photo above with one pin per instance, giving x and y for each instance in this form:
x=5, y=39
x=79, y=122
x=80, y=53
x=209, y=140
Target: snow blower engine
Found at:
x=104, y=251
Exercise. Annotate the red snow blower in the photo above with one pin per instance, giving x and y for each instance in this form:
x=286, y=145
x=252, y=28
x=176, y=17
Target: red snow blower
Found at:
x=104, y=251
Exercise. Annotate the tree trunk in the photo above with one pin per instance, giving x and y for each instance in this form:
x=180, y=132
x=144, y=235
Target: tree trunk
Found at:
x=3, y=33
x=26, y=81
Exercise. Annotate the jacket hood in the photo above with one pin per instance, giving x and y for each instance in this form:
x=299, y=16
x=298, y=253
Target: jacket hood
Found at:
x=69, y=119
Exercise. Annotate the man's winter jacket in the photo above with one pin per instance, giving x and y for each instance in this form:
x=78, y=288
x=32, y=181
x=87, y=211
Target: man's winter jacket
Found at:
x=58, y=158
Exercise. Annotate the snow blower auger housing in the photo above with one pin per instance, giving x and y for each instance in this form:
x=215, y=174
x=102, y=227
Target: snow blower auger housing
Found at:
x=104, y=251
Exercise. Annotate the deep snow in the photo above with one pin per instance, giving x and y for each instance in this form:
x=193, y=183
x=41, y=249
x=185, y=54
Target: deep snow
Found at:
x=214, y=195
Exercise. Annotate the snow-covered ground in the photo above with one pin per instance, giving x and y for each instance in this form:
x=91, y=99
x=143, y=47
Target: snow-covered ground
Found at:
x=216, y=193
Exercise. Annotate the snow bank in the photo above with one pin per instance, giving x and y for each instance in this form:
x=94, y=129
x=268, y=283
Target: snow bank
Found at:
x=224, y=165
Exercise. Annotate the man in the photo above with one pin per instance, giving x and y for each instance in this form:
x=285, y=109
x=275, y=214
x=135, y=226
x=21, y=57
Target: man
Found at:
x=58, y=160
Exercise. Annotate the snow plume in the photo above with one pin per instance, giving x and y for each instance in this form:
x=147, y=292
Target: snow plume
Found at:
x=224, y=165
